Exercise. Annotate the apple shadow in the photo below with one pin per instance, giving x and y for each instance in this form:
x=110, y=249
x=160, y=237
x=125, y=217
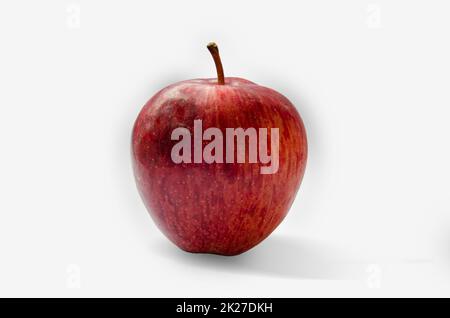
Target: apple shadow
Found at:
x=288, y=257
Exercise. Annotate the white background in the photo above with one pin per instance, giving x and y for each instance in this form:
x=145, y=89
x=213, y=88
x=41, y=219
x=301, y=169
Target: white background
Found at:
x=370, y=80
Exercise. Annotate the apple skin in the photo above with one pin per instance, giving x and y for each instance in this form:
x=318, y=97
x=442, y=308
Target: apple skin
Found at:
x=218, y=208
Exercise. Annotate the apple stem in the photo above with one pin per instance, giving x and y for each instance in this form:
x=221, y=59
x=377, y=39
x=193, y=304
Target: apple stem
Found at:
x=214, y=50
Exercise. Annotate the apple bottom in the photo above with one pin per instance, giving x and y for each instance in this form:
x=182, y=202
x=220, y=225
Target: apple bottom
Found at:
x=221, y=209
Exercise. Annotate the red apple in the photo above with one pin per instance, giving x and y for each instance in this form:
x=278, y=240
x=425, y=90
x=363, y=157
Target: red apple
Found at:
x=212, y=201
